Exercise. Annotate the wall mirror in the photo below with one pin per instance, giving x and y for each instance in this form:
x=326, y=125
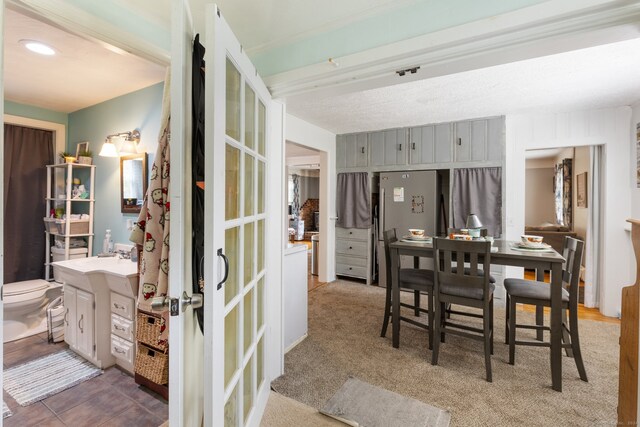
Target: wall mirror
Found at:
x=133, y=182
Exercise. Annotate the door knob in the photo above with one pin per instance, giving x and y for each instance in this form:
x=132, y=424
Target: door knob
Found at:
x=195, y=301
x=160, y=303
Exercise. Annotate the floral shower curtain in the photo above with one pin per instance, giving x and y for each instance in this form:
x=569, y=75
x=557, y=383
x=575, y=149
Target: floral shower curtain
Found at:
x=563, y=195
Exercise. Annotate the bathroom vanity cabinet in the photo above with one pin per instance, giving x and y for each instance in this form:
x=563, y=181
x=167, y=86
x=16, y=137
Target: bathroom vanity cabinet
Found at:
x=65, y=197
x=99, y=301
x=85, y=326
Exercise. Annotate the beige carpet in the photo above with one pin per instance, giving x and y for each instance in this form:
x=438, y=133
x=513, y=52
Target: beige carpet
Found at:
x=344, y=339
x=284, y=412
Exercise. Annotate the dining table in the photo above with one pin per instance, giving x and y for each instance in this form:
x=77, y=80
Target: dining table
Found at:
x=503, y=252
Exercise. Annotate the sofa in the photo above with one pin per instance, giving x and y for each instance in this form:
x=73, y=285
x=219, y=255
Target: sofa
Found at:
x=553, y=234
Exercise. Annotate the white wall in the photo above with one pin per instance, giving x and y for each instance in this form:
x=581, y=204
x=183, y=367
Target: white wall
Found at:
x=539, y=197
x=607, y=127
x=304, y=133
x=580, y=215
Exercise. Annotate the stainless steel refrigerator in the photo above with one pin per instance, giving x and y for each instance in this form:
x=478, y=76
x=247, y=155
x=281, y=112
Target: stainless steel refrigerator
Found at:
x=407, y=200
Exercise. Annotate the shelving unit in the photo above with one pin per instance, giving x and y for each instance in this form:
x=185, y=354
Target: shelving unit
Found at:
x=61, y=177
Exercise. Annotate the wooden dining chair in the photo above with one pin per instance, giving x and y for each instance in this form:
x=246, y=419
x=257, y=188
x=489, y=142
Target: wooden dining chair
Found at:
x=455, y=284
x=416, y=279
x=520, y=291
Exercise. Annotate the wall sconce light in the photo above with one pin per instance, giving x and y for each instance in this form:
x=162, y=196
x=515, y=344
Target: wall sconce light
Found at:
x=128, y=146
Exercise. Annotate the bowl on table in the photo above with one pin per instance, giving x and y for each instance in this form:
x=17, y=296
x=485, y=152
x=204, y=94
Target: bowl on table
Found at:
x=416, y=232
x=531, y=240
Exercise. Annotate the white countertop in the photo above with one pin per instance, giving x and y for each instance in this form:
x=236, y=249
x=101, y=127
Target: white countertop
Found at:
x=293, y=248
x=110, y=265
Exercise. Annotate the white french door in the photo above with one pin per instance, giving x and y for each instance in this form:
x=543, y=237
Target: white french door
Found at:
x=236, y=144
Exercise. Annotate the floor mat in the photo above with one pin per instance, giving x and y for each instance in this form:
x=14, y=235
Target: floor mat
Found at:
x=359, y=403
x=36, y=380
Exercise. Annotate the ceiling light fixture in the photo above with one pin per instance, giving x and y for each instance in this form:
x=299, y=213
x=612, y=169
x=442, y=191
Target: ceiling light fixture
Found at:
x=38, y=47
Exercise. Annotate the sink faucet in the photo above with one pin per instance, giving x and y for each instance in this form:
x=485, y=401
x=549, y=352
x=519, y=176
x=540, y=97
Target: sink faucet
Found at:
x=123, y=254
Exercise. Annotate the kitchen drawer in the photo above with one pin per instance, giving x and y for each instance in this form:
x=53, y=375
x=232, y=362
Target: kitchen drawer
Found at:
x=351, y=260
x=122, y=349
x=122, y=306
x=352, y=247
x=352, y=233
x=351, y=270
x=122, y=327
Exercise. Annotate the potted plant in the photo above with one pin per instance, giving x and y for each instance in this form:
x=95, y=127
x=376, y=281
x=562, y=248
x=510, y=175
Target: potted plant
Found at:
x=68, y=157
x=85, y=157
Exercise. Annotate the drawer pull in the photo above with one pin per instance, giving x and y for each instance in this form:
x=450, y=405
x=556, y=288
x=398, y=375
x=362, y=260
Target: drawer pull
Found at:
x=350, y=247
x=351, y=232
x=118, y=306
x=350, y=268
x=119, y=351
x=119, y=328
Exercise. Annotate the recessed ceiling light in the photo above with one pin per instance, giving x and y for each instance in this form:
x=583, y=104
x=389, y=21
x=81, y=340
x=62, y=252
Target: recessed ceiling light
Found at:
x=38, y=47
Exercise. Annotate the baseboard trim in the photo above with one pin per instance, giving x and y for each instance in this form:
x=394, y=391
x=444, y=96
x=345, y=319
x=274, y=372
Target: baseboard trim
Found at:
x=295, y=343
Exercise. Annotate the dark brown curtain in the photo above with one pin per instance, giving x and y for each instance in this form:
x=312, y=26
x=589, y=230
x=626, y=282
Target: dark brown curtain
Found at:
x=26, y=153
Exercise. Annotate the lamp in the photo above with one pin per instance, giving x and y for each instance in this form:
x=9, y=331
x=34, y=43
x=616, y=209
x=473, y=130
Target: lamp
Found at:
x=474, y=225
x=128, y=146
x=108, y=149
x=473, y=221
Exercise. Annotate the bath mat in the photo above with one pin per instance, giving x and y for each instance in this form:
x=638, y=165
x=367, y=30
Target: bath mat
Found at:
x=6, y=412
x=36, y=380
x=358, y=403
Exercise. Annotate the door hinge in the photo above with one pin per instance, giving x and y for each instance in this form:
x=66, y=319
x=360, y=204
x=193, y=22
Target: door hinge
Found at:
x=94, y=305
x=94, y=348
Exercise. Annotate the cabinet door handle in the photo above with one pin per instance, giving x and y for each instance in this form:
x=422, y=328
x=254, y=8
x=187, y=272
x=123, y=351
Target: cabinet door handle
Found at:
x=459, y=141
x=66, y=317
x=413, y=145
x=400, y=147
x=81, y=324
x=362, y=150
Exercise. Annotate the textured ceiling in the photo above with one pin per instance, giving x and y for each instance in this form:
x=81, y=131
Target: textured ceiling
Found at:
x=599, y=77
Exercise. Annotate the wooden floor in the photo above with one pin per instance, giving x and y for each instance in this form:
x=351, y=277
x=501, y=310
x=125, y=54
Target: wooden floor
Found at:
x=583, y=312
x=110, y=399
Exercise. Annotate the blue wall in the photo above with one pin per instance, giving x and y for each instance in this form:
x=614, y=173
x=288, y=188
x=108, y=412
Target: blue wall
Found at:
x=36, y=113
x=137, y=110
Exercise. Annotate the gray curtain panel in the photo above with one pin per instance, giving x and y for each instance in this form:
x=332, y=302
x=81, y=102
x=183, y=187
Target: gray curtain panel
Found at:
x=478, y=191
x=26, y=153
x=354, y=209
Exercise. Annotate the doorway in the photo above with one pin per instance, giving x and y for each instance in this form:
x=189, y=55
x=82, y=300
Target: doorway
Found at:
x=303, y=204
x=43, y=109
x=562, y=199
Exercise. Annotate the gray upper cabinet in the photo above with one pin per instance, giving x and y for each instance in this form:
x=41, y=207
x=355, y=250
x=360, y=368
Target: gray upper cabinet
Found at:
x=388, y=147
x=478, y=140
x=430, y=144
x=495, y=138
x=352, y=151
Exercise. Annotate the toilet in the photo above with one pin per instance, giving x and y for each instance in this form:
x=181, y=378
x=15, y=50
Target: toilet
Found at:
x=25, y=306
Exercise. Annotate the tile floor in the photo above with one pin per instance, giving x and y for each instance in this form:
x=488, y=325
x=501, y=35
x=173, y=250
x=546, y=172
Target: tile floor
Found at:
x=110, y=399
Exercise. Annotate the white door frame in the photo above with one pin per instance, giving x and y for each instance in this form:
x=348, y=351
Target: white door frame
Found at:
x=2, y=192
x=59, y=130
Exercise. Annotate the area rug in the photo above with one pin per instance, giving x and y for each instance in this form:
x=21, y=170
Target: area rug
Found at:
x=36, y=380
x=344, y=341
x=6, y=412
x=361, y=404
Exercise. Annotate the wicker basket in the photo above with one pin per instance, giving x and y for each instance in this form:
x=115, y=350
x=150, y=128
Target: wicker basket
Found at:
x=152, y=364
x=148, y=330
